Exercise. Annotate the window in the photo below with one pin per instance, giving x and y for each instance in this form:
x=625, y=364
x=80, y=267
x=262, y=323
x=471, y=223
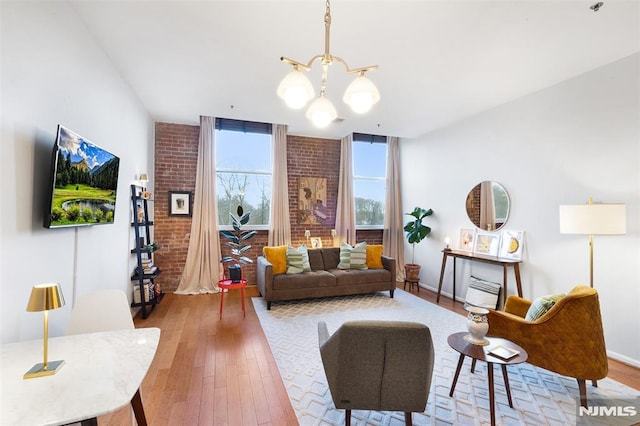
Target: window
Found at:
x=243, y=170
x=369, y=171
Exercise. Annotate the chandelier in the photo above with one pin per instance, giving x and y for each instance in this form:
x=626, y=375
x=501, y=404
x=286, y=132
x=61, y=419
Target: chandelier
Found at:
x=297, y=91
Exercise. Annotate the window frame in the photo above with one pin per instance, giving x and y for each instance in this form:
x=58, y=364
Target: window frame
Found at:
x=244, y=126
x=368, y=138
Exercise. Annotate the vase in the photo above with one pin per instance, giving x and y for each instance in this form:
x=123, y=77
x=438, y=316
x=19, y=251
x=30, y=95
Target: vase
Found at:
x=477, y=325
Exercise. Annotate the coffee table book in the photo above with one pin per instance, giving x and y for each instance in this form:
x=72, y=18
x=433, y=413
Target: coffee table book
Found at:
x=503, y=352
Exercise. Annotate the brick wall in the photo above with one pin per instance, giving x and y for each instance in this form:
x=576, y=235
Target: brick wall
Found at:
x=176, y=153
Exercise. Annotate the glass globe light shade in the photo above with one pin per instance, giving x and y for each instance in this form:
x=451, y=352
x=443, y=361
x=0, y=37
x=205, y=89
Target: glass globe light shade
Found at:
x=296, y=89
x=361, y=95
x=321, y=112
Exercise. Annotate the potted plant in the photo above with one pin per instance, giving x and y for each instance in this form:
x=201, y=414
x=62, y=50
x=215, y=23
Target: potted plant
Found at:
x=416, y=232
x=237, y=241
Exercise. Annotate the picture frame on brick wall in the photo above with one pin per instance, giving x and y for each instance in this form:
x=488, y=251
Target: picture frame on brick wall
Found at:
x=180, y=203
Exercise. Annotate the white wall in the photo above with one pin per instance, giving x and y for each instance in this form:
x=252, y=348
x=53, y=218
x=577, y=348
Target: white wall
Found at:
x=53, y=72
x=561, y=145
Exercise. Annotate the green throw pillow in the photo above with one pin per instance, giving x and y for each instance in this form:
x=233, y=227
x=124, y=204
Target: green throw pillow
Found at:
x=541, y=305
x=297, y=260
x=353, y=257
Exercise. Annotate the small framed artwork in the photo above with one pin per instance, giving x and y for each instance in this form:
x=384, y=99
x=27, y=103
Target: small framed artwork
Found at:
x=316, y=242
x=467, y=238
x=511, y=247
x=179, y=203
x=487, y=243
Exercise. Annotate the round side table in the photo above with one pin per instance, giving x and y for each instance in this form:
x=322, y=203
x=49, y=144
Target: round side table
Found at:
x=482, y=353
x=230, y=285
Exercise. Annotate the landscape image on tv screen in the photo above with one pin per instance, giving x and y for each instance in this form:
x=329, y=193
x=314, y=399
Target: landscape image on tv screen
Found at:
x=83, y=184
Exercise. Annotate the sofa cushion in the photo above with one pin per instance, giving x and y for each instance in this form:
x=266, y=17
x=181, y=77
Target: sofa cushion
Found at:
x=313, y=279
x=541, y=306
x=297, y=260
x=277, y=256
x=315, y=259
x=347, y=277
x=330, y=257
x=353, y=257
x=374, y=256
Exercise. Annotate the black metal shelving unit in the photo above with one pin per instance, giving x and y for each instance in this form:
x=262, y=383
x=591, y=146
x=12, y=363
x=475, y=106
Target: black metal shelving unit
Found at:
x=142, y=230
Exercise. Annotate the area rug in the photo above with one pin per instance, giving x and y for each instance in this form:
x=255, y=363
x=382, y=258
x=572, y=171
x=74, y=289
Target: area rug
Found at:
x=539, y=396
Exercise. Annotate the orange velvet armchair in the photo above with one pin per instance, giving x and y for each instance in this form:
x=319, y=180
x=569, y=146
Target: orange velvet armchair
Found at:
x=568, y=339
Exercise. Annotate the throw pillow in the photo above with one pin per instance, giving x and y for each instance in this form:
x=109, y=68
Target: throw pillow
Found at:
x=541, y=306
x=353, y=257
x=277, y=256
x=297, y=260
x=374, y=256
x=483, y=293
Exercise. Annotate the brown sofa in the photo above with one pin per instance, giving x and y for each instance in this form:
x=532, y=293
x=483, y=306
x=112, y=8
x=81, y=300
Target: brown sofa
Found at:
x=325, y=279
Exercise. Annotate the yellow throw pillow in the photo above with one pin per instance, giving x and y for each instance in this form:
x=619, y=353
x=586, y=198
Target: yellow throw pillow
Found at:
x=374, y=256
x=277, y=256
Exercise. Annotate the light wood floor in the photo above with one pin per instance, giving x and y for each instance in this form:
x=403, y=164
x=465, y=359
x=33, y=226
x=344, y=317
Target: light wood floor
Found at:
x=209, y=371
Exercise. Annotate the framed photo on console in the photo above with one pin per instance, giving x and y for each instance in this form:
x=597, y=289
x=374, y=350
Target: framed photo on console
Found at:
x=467, y=238
x=511, y=247
x=487, y=243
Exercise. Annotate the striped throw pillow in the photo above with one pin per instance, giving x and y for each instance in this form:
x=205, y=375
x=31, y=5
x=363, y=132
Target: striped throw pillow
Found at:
x=541, y=306
x=482, y=293
x=297, y=260
x=353, y=257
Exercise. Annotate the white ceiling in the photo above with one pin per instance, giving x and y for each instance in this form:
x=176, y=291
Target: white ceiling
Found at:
x=440, y=61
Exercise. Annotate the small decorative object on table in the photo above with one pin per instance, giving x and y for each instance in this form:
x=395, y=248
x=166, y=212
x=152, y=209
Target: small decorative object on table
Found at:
x=478, y=325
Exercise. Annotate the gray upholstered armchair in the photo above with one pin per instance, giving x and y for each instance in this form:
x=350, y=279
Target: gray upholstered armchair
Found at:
x=378, y=365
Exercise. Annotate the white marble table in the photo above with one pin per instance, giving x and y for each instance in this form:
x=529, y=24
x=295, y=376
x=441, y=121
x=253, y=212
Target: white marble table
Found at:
x=102, y=373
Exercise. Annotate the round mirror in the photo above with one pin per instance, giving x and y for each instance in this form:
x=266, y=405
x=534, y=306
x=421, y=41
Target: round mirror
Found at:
x=488, y=205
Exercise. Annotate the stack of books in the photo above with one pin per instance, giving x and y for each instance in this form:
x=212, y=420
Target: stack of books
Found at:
x=148, y=267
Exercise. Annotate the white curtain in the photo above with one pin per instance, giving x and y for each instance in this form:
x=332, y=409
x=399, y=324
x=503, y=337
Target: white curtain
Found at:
x=393, y=234
x=202, y=269
x=487, y=209
x=279, y=223
x=345, y=208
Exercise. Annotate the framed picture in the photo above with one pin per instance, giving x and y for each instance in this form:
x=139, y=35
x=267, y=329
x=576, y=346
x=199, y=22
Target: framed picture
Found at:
x=312, y=200
x=511, y=247
x=315, y=242
x=487, y=243
x=467, y=238
x=179, y=203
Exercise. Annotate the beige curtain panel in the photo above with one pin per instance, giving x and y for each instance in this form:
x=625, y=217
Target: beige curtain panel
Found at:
x=345, y=208
x=203, y=269
x=393, y=234
x=279, y=223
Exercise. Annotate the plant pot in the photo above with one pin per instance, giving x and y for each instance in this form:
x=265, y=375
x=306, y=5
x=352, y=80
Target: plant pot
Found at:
x=412, y=272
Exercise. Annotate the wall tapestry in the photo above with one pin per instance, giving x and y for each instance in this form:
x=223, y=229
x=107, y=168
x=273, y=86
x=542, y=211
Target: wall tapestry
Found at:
x=312, y=200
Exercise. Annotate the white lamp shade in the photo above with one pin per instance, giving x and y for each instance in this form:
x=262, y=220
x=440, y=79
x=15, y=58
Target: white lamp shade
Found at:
x=593, y=219
x=361, y=95
x=296, y=89
x=321, y=112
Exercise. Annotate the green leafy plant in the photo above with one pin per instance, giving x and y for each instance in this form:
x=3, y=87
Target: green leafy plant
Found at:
x=415, y=229
x=237, y=239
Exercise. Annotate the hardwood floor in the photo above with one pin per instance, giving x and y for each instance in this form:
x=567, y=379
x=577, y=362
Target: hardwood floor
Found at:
x=209, y=371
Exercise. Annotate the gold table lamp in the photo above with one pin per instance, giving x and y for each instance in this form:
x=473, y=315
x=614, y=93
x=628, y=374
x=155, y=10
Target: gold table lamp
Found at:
x=45, y=297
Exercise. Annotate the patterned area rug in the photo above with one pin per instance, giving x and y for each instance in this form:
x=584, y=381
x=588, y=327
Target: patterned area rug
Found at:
x=539, y=397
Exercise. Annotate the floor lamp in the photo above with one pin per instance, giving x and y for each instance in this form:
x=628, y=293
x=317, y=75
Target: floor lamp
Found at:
x=593, y=219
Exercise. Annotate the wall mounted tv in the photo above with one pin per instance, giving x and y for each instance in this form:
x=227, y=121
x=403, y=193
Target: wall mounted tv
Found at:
x=82, y=184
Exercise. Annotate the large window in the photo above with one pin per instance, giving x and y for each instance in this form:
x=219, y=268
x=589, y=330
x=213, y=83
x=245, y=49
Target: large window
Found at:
x=369, y=171
x=243, y=170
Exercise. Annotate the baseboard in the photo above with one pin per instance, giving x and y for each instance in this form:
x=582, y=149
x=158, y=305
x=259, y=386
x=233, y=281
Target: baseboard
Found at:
x=624, y=359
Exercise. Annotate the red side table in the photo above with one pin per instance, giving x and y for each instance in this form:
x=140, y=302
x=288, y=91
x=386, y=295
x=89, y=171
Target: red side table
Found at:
x=229, y=285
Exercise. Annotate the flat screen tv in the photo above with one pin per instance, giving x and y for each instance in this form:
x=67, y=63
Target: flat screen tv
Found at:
x=82, y=183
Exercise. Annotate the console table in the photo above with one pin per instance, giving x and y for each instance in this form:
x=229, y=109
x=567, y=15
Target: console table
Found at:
x=102, y=372
x=505, y=263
